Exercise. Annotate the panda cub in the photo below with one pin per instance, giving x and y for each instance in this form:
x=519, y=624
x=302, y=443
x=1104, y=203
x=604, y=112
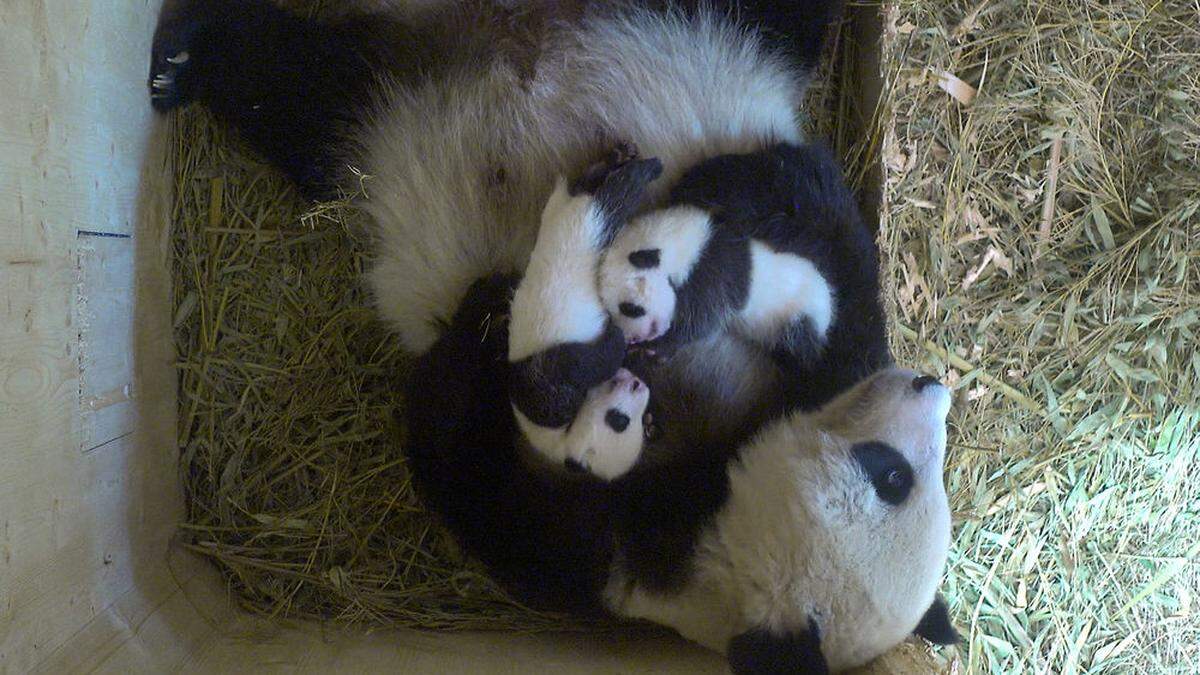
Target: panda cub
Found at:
x=744, y=244
x=572, y=398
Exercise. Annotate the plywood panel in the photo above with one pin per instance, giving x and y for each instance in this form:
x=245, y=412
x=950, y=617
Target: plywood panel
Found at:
x=80, y=156
x=312, y=651
x=104, y=312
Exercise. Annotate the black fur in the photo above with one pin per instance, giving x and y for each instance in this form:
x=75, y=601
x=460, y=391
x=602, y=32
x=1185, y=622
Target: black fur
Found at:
x=717, y=287
x=550, y=386
x=295, y=89
x=799, y=29
x=547, y=538
x=936, y=626
x=761, y=652
x=291, y=86
x=801, y=342
x=550, y=539
x=623, y=192
x=661, y=508
x=616, y=420
x=619, y=185
x=631, y=310
x=795, y=199
x=887, y=469
x=646, y=259
x=923, y=381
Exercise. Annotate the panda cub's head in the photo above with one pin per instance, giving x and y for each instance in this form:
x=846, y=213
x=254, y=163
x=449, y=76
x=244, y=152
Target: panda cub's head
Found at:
x=606, y=435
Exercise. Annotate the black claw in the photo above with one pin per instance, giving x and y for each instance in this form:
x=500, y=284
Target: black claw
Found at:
x=164, y=84
x=172, y=58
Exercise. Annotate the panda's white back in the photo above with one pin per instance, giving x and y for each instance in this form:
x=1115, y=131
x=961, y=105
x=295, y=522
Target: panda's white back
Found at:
x=460, y=167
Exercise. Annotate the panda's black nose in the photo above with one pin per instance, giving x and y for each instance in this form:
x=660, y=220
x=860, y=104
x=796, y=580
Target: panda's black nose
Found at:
x=574, y=466
x=923, y=381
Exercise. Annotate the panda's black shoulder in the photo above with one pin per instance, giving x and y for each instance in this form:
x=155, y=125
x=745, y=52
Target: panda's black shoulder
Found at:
x=813, y=181
x=661, y=508
x=731, y=183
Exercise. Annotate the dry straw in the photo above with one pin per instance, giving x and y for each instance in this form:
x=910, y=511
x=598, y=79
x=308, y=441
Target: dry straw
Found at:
x=1040, y=232
x=1043, y=242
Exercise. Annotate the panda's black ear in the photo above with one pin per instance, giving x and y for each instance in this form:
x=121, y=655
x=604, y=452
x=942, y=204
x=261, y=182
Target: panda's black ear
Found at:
x=762, y=652
x=935, y=626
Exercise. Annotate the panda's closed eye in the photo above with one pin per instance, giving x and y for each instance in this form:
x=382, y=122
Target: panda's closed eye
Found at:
x=616, y=420
x=645, y=259
x=888, y=470
x=631, y=310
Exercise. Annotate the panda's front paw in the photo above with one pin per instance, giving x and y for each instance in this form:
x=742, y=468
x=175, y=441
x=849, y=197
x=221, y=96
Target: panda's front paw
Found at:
x=593, y=177
x=638, y=294
x=618, y=184
x=173, y=54
x=486, y=304
x=166, y=91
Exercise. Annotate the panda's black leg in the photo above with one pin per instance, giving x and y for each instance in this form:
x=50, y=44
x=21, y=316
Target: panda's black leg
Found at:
x=290, y=85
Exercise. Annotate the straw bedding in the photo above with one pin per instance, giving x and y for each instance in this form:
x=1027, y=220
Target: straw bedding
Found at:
x=1040, y=230
x=1043, y=241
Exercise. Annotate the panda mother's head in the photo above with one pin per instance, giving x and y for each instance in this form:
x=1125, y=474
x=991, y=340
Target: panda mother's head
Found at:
x=833, y=538
x=869, y=506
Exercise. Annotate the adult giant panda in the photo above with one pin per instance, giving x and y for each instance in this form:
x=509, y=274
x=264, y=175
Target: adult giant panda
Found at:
x=791, y=539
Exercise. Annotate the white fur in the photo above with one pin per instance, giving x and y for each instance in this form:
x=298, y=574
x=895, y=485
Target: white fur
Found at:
x=680, y=234
x=589, y=440
x=680, y=89
x=556, y=301
x=793, y=538
x=783, y=287
x=592, y=443
x=803, y=535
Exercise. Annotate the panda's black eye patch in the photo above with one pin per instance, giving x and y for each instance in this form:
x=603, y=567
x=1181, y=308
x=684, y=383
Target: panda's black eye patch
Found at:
x=616, y=420
x=888, y=471
x=631, y=310
x=645, y=259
